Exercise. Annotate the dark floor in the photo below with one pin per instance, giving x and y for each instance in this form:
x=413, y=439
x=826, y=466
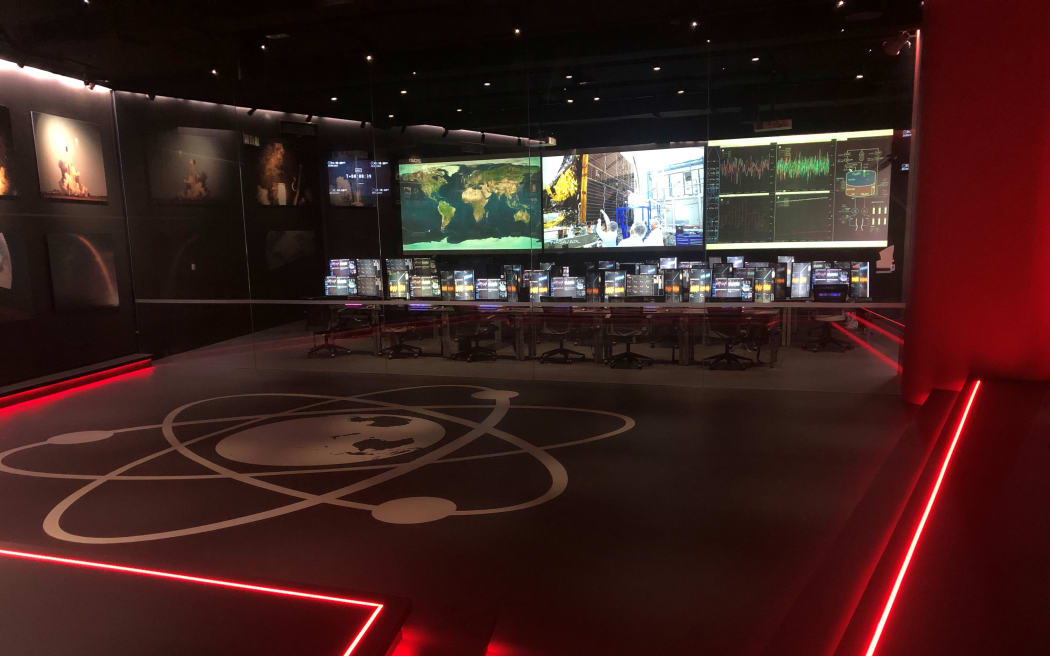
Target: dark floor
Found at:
x=587, y=518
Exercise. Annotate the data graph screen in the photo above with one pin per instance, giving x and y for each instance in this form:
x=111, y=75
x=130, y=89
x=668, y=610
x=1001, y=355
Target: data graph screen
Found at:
x=803, y=191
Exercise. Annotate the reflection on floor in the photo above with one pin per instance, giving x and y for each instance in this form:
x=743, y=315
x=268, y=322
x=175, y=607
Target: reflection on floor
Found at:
x=857, y=370
x=519, y=516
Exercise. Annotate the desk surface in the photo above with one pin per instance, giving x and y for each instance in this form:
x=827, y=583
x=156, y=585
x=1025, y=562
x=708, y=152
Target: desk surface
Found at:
x=523, y=306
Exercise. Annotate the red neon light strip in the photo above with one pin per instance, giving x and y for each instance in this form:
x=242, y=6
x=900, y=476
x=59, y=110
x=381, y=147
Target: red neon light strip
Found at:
x=876, y=328
x=207, y=581
x=37, y=392
x=922, y=523
x=882, y=356
x=884, y=317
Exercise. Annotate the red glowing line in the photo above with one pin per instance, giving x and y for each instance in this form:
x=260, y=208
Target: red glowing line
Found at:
x=922, y=523
x=207, y=581
x=62, y=385
x=876, y=328
x=882, y=356
x=883, y=317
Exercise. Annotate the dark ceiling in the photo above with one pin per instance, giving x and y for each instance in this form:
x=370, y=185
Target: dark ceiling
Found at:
x=297, y=56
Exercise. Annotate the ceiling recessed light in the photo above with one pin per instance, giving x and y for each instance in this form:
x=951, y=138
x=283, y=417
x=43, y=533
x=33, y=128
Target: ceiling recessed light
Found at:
x=404, y=91
x=569, y=76
x=840, y=4
x=413, y=72
x=842, y=30
x=694, y=25
x=214, y=72
x=596, y=99
x=459, y=109
x=517, y=31
x=656, y=68
x=860, y=76
x=262, y=47
x=334, y=99
x=390, y=116
x=681, y=91
x=488, y=84
x=368, y=58
x=754, y=59
x=709, y=40
x=569, y=101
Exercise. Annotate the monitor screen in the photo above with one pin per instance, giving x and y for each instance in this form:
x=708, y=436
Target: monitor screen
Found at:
x=425, y=287
x=424, y=266
x=615, y=284
x=638, y=198
x=764, y=279
x=736, y=260
x=356, y=180
x=644, y=285
x=721, y=270
x=756, y=265
x=800, y=272
x=859, y=286
x=699, y=285
x=368, y=286
x=606, y=265
x=568, y=287
x=690, y=265
x=491, y=289
x=646, y=268
x=342, y=268
x=538, y=281
x=399, y=265
x=368, y=268
x=397, y=284
x=668, y=263
x=340, y=286
x=463, y=281
x=804, y=191
x=472, y=205
x=827, y=276
x=727, y=288
x=785, y=258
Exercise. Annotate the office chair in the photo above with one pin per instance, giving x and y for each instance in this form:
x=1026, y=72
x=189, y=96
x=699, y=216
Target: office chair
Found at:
x=557, y=324
x=399, y=327
x=626, y=325
x=468, y=329
x=732, y=329
x=324, y=320
x=825, y=341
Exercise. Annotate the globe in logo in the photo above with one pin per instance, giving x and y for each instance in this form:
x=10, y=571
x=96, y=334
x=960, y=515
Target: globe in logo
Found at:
x=330, y=440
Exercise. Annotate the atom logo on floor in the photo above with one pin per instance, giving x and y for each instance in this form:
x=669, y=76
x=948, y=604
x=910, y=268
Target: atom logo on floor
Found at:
x=370, y=438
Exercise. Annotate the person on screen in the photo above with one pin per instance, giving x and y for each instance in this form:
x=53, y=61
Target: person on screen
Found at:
x=655, y=236
x=607, y=230
x=637, y=237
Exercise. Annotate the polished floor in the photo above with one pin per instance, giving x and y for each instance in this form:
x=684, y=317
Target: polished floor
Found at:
x=519, y=516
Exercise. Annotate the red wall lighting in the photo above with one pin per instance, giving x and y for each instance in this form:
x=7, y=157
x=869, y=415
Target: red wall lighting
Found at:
x=880, y=627
x=377, y=607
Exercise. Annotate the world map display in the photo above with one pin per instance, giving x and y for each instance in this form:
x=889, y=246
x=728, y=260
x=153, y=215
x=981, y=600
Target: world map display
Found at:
x=491, y=204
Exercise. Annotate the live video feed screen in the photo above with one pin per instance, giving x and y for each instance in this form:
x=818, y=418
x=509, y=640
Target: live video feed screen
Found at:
x=491, y=289
x=355, y=179
x=425, y=287
x=644, y=284
x=471, y=205
x=568, y=287
x=647, y=198
x=804, y=191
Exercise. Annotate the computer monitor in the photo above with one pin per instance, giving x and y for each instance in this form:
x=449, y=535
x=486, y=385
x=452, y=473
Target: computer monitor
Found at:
x=607, y=265
x=400, y=264
x=368, y=268
x=699, y=285
x=463, y=285
x=676, y=285
x=615, y=284
x=764, y=285
x=748, y=264
x=667, y=263
x=736, y=260
x=820, y=264
x=339, y=286
x=342, y=268
x=859, y=286
x=781, y=281
x=646, y=269
x=491, y=289
x=693, y=264
x=830, y=276
x=546, y=266
x=568, y=287
x=721, y=270
x=538, y=283
x=425, y=287
x=800, y=280
x=727, y=288
x=785, y=259
x=397, y=283
x=369, y=286
x=565, y=272
x=424, y=266
x=512, y=276
x=644, y=285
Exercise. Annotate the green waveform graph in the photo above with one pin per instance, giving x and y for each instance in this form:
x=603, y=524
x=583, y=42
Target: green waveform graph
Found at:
x=804, y=167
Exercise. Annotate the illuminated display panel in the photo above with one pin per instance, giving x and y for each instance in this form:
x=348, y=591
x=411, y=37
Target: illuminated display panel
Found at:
x=625, y=199
x=799, y=191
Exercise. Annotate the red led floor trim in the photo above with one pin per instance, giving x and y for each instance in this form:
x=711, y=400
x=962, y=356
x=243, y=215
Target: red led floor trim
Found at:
x=922, y=523
x=882, y=356
x=877, y=329
x=208, y=581
x=62, y=385
x=882, y=316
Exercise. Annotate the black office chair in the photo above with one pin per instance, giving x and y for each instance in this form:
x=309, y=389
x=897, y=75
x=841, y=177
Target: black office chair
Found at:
x=468, y=329
x=825, y=341
x=626, y=325
x=324, y=320
x=558, y=324
x=728, y=324
x=399, y=326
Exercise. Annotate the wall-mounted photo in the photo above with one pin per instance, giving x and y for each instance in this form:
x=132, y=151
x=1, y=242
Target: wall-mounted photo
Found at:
x=69, y=159
x=7, y=146
x=282, y=174
x=15, y=297
x=83, y=271
x=193, y=165
x=284, y=247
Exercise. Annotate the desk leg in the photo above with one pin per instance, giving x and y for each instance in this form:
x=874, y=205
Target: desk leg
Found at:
x=685, y=342
x=599, y=342
x=446, y=335
x=532, y=338
x=519, y=337
x=377, y=332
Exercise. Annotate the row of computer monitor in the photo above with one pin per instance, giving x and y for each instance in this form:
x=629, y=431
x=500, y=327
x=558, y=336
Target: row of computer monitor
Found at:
x=669, y=281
